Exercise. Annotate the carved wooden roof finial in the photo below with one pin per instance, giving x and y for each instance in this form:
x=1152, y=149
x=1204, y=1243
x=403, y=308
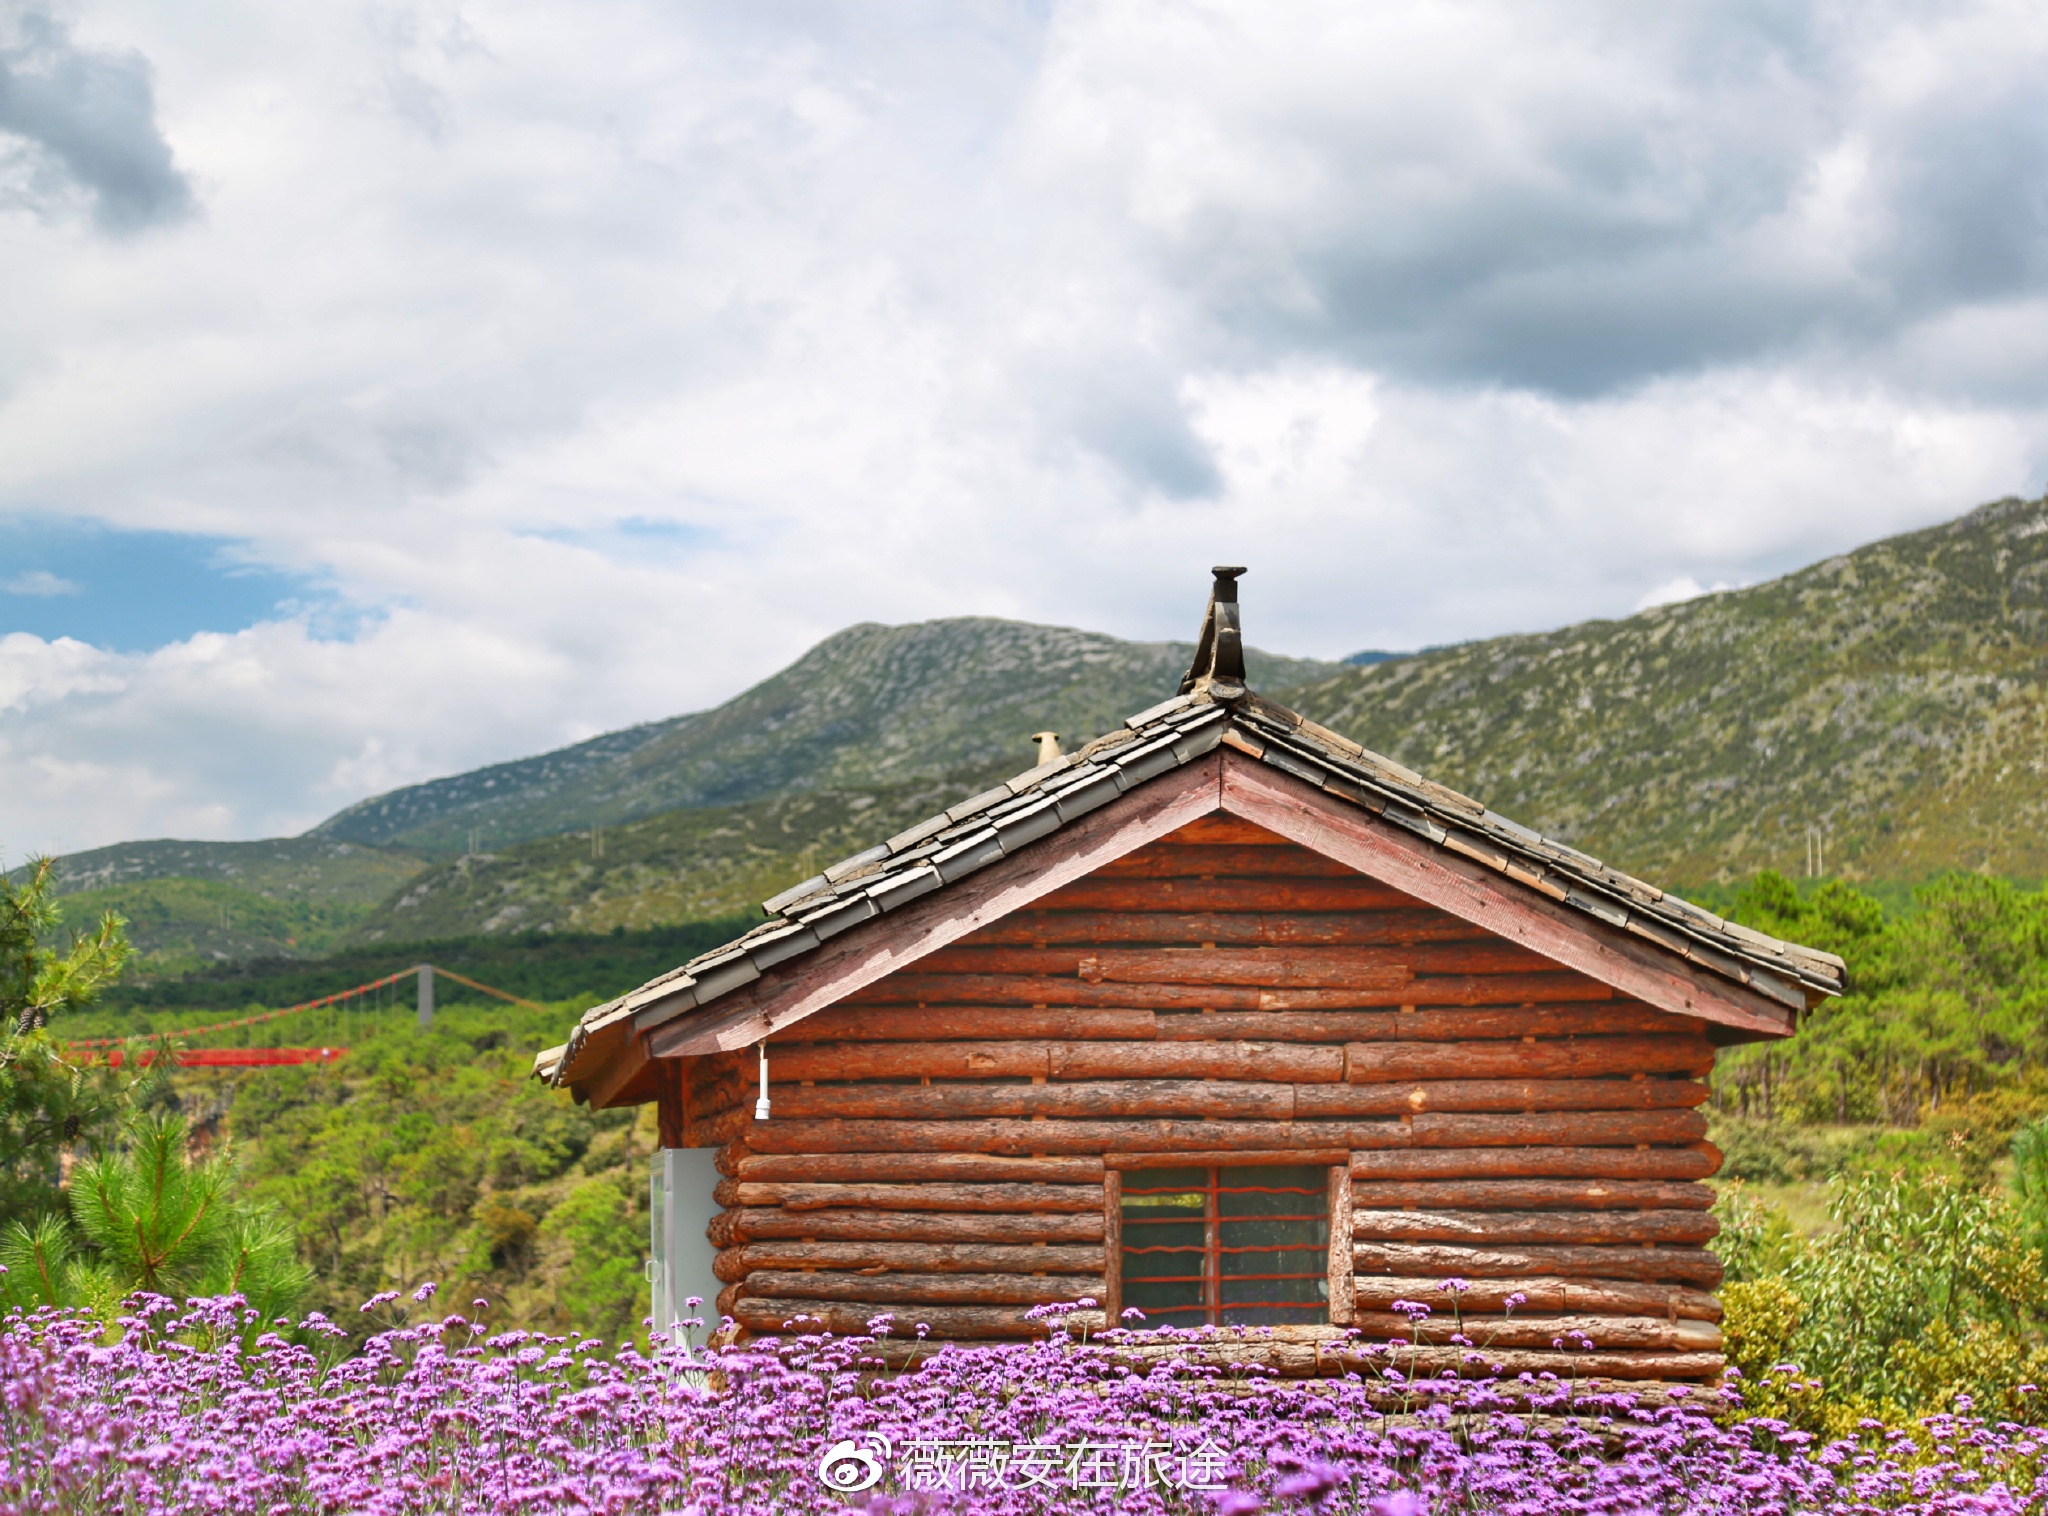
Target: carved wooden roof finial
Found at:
x=1219, y=652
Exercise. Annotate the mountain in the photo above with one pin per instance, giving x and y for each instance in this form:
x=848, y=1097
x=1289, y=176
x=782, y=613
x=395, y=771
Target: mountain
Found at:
x=308, y=867
x=1894, y=700
x=192, y=903
x=871, y=706
x=684, y=865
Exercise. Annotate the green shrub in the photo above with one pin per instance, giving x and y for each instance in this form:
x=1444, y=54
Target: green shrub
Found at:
x=1925, y=1288
x=1770, y=1152
x=1757, y=1240
x=599, y=1247
x=1759, y=1323
x=1977, y=1131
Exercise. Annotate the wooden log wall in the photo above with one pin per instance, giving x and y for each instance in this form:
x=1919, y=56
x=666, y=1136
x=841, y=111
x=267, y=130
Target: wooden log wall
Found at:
x=947, y=1144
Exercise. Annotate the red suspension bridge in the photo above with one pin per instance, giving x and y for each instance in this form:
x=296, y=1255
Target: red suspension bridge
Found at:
x=370, y=998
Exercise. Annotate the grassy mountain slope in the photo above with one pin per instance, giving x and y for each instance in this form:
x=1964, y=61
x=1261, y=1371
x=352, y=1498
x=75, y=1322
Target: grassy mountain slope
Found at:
x=1896, y=697
x=310, y=868
x=189, y=903
x=871, y=706
x=176, y=925
x=686, y=865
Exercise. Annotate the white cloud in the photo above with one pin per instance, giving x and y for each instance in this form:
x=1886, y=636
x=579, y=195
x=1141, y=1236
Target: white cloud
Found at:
x=1677, y=591
x=605, y=356
x=40, y=583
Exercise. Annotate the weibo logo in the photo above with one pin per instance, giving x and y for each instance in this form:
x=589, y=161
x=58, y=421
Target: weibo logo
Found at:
x=850, y=1467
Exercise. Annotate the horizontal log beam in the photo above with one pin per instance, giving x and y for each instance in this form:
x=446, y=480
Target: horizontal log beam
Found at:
x=716, y=1128
x=1022, y=1023
x=1225, y=929
x=1530, y=1195
x=1453, y=1362
x=1300, y=966
x=1494, y=1228
x=1695, y=1162
x=735, y=1162
x=710, y=1070
x=909, y=1060
x=981, y=1023
x=1221, y=826
x=1694, y=1266
x=701, y=1097
x=843, y=1320
x=1186, y=860
x=1547, y=1294
x=1008, y=1136
x=1583, y=1128
x=1081, y=1102
x=925, y=1289
x=1461, y=1025
x=1008, y=1198
x=1313, y=1101
x=1286, y=1064
x=872, y=1259
x=1491, y=1333
x=1429, y=1130
x=773, y=1223
x=1100, y=893
x=1564, y=1058
x=1111, y=1099
x=1226, y=1158
x=1018, y=989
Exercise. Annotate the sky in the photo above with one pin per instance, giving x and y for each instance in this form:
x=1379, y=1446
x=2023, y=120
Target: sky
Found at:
x=390, y=388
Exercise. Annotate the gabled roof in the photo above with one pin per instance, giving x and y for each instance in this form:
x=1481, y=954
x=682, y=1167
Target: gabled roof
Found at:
x=1215, y=710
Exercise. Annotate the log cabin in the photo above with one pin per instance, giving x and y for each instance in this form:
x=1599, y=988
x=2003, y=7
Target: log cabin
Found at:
x=1224, y=1019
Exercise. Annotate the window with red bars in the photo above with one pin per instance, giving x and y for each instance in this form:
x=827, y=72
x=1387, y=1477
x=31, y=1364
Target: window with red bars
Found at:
x=1227, y=1246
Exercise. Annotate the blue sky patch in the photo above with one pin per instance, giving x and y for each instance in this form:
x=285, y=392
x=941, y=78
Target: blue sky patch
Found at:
x=131, y=591
x=639, y=539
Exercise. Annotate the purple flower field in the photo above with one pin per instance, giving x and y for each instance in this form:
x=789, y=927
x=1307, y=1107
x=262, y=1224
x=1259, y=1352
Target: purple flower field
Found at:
x=179, y=1415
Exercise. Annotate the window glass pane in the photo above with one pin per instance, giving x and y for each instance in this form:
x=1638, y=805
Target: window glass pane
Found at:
x=1166, y=1245
x=1274, y=1238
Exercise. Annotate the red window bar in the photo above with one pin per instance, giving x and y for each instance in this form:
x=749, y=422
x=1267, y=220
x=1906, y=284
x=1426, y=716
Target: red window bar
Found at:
x=1229, y=1246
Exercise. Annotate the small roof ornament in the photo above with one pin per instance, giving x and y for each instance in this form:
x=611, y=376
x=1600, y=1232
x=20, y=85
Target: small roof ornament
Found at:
x=1219, y=652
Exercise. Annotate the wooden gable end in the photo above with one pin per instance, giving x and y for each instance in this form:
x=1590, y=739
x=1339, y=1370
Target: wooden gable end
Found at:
x=1348, y=840
x=1221, y=972
x=1223, y=915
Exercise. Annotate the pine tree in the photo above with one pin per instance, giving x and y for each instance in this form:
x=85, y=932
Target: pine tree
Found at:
x=150, y=1216
x=49, y=1103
